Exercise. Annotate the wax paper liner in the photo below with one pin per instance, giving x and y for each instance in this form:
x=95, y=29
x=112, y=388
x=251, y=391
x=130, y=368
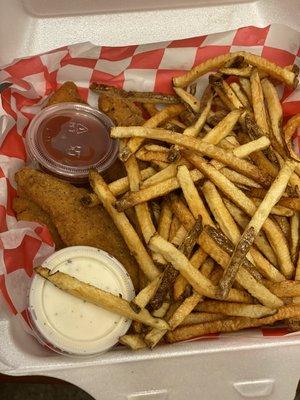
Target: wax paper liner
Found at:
x=147, y=67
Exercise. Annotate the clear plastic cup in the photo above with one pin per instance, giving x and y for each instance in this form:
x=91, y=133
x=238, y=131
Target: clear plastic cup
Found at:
x=71, y=326
x=68, y=139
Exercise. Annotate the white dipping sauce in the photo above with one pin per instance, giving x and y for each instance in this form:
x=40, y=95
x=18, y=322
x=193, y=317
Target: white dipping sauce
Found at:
x=70, y=325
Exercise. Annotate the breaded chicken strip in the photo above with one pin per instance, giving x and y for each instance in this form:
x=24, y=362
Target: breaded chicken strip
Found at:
x=68, y=92
x=76, y=224
x=27, y=210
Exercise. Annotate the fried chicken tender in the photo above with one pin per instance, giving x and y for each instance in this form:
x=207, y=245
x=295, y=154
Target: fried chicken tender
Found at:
x=68, y=92
x=76, y=224
x=27, y=210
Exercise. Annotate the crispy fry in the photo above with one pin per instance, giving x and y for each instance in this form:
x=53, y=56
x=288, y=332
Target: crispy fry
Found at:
x=230, y=93
x=235, y=309
x=290, y=202
x=274, y=108
x=243, y=277
x=254, y=226
x=272, y=230
x=244, y=71
x=201, y=284
x=175, y=225
x=99, y=297
x=261, y=242
x=295, y=236
x=246, y=86
x=179, y=236
x=282, y=74
x=240, y=95
x=146, y=294
x=182, y=212
x=125, y=228
x=284, y=289
x=258, y=103
x=222, y=97
x=238, y=178
x=289, y=130
x=223, y=128
x=192, y=197
x=277, y=209
x=164, y=115
x=194, y=144
x=201, y=69
x=195, y=129
x=150, y=156
x=188, y=98
x=142, y=210
x=231, y=324
x=133, y=341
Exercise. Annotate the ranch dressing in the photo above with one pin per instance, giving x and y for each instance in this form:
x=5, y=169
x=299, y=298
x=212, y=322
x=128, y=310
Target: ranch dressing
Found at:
x=70, y=325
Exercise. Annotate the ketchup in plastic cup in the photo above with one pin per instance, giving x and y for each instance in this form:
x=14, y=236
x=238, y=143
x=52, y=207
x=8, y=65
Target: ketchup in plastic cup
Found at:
x=71, y=326
x=68, y=139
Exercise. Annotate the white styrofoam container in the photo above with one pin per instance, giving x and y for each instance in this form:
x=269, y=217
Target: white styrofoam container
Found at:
x=236, y=367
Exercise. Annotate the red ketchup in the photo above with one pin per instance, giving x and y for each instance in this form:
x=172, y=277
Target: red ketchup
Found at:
x=68, y=139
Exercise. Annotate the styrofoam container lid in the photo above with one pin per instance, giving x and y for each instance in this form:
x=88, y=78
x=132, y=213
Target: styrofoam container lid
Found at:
x=69, y=325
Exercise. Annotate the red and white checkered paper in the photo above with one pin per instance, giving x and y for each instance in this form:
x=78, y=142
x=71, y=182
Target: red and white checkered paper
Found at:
x=147, y=67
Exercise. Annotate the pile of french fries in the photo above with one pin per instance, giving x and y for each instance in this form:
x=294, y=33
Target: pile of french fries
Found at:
x=214, y=183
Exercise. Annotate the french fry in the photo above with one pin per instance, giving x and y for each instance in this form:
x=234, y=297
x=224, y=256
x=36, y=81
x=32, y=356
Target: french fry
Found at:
x=261, y=242
x=235, y=309
x=191, y=195
x=125, y=228
x=142, y=210
x=230, y=93
x=295, y=236
x=99, y=297
x=175, y=225
x=240, y=95
x=164, y=115
x=243, y=277
x=274, y=108
x=284, y=289
x=281, y=74
x=200, y=317
x=223, y=128
x=201, y=284
x=265, y=268
x=258, y=102
x=182, y=212
x=161, y=312
x=188, y=98
x=238, y=178
x=201, y=69
x=277, y=209
x=246, y=86
x=289, y=130
x=194, y=144
x=146, y=294
x=289, y=202
x=272, y=230
x=179, y=236
x=133, y=341
x=150, y=156
x=254, y=226
x=195, y=129
x=244, y=71
x=222, y=97
x=231, y=324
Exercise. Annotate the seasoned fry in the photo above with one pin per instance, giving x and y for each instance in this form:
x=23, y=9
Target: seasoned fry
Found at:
x=258, y=102
x=188, y=98
x=133, y=341
x=192, y=197
x=194, y=144
x=201, y=69
x=235, y=309
x=274, y=108
x=282, y=74
x=125, y=228
x=99, y=297
x=231, y=324
x=272, y=230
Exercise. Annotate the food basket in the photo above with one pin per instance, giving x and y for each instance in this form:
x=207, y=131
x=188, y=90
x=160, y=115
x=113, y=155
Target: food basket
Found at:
x=249, y=364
